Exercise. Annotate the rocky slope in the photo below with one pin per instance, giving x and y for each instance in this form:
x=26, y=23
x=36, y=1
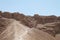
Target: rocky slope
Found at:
x=17, y=31
x=48, y=24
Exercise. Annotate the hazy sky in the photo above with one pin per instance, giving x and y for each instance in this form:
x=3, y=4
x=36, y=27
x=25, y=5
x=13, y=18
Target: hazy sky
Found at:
x=30, y=7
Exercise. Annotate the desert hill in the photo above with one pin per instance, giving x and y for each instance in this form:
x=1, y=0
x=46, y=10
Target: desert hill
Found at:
x=17, y=31
x=34, y=21
x=48, y=24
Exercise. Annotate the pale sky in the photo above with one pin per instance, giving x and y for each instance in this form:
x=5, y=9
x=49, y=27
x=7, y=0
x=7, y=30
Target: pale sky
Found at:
x=30, y=7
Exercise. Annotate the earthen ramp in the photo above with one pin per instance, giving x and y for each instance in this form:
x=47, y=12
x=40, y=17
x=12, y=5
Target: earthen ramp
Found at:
x=16, y=31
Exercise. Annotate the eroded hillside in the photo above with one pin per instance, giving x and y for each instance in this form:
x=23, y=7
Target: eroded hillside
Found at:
x=17, y=31
x=48, y=24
